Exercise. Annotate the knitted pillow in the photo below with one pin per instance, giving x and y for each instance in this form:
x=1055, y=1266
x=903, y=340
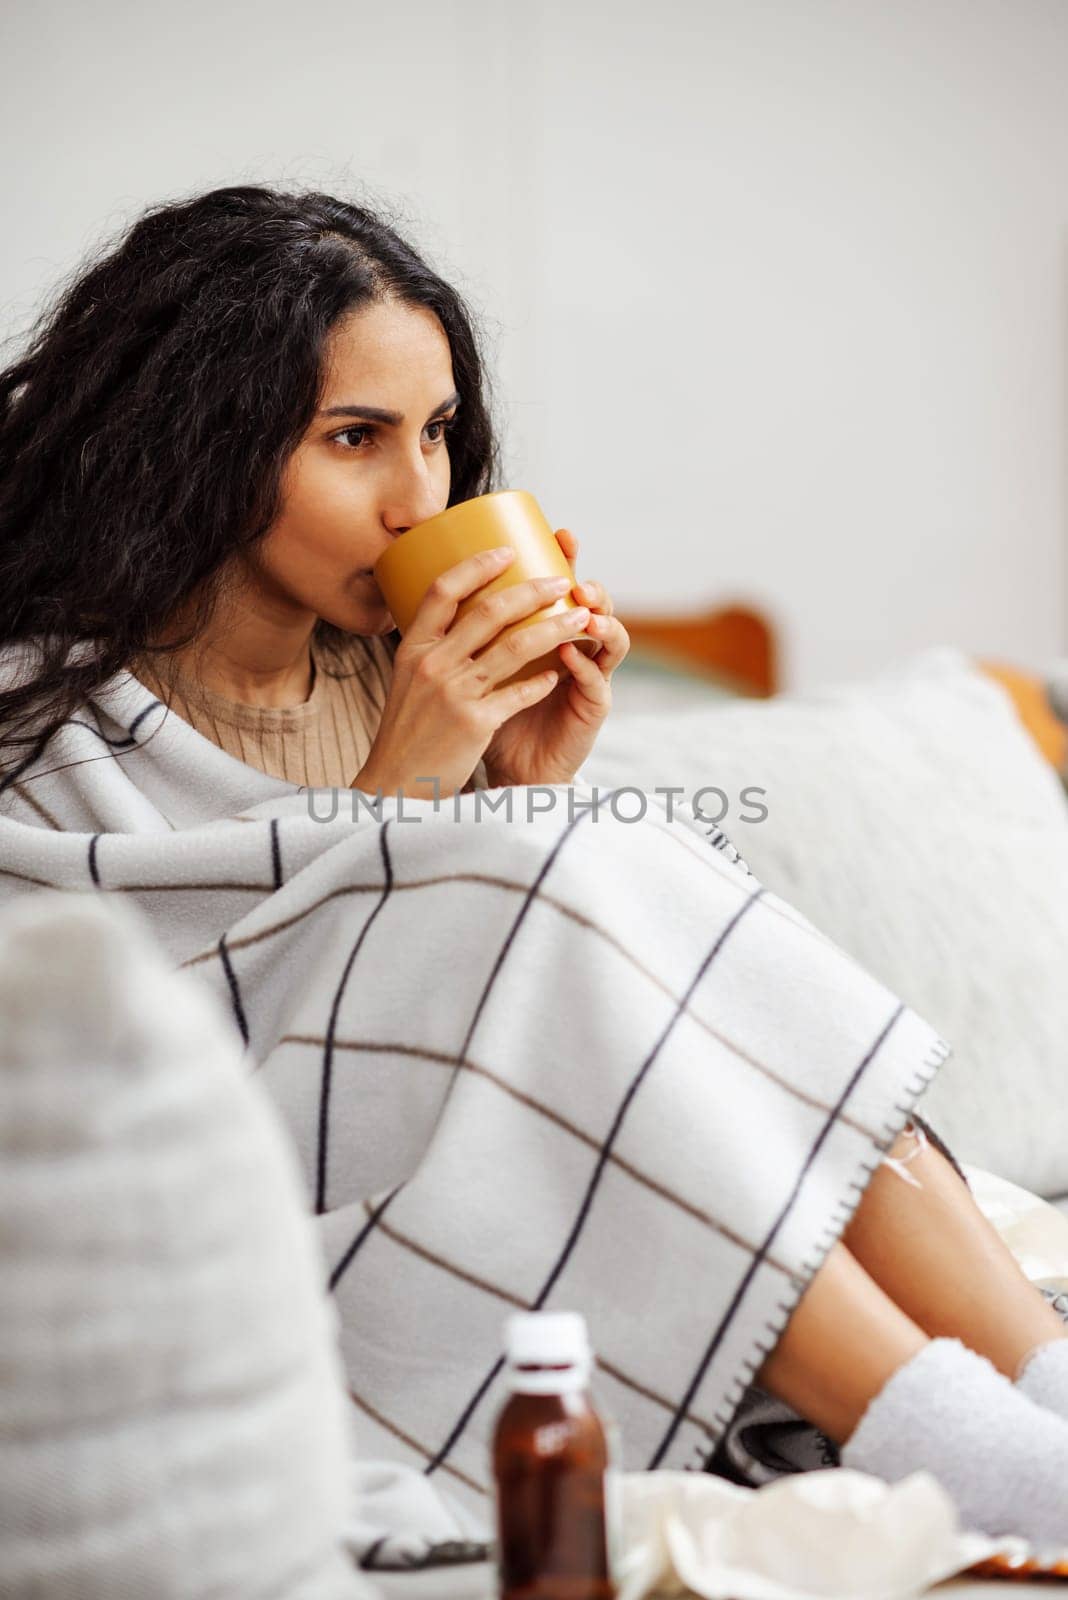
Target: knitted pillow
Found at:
x=171, y=1417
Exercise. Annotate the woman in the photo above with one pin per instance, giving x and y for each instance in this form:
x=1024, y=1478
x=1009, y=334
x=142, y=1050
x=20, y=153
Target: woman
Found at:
x=211, y=438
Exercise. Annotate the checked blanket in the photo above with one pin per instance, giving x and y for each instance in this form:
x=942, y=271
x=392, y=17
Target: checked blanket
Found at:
x=531, y=1055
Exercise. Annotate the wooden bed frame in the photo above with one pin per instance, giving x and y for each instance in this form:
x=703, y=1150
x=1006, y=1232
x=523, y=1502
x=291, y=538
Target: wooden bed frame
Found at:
x=738, y=647
x=735, y=645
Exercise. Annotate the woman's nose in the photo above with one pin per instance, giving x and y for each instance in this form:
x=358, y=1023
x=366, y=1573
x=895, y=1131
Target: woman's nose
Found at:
x=414, y=499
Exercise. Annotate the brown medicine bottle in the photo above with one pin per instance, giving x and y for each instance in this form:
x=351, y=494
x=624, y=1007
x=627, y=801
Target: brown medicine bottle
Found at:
x=550, y=1466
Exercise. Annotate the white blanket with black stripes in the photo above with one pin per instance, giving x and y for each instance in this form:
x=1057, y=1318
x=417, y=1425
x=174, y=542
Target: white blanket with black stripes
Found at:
x=532, y=1053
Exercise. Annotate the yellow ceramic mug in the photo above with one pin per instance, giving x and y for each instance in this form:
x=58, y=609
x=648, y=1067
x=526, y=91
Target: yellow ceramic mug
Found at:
x=405, y=571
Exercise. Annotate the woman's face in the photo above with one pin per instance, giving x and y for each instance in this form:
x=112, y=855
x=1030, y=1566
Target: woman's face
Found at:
x=374, y=462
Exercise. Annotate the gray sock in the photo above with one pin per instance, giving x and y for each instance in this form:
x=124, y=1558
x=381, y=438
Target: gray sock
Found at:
x=1043, y=1377
x=1003, y=1459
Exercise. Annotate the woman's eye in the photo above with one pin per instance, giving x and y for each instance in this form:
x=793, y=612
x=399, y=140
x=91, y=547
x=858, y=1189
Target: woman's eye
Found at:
x=442, y=425
x=346, y=433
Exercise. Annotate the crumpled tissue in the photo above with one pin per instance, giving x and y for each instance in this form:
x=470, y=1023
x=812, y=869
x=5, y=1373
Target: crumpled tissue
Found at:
x=829, y=1534
x=834, y=1533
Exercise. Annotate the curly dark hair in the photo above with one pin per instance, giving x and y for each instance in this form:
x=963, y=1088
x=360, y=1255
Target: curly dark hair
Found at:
x=145, y=430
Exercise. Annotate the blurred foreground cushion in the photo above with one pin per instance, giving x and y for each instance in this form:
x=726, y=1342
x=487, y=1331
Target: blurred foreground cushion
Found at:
x=172, y=1421
x=915, y=821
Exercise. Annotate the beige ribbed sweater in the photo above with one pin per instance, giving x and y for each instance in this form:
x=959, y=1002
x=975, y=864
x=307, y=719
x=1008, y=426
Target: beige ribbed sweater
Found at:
x=322, y=743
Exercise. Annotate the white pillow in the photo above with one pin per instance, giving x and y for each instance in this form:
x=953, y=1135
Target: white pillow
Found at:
x=172, y=1421
x=913, y=820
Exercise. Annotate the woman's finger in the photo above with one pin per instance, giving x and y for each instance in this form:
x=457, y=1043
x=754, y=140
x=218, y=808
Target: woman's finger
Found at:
x=586, y=669
x=594, y=595
x=614, y=640
x=568, y=543
x=438, y=607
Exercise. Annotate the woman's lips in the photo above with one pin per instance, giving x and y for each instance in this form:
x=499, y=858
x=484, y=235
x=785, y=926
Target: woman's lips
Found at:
x=365, y=575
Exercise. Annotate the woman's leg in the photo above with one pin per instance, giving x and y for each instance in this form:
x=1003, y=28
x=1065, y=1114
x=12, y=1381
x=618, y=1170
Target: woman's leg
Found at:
x=898, y=1402
x=858, y=1365
x=844, y=1341
x=916, y=1263
x=929, y=1247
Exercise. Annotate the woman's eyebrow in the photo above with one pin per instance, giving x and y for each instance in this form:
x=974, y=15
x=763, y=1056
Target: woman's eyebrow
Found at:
x=376, y=414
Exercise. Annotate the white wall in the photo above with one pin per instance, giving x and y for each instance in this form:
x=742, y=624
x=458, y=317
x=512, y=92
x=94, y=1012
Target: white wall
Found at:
x=777, y=288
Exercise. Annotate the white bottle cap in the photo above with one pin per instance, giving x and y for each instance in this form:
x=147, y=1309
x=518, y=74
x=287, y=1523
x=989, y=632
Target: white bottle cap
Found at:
x=553, y=1339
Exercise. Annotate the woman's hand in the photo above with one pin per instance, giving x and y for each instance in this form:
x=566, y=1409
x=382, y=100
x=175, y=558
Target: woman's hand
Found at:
x=443, y=705
x=547, y=742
